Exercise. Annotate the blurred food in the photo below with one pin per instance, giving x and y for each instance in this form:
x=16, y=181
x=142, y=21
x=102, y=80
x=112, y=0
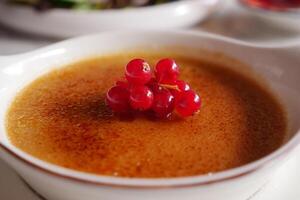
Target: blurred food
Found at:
x=279, y=5
x=87, y=4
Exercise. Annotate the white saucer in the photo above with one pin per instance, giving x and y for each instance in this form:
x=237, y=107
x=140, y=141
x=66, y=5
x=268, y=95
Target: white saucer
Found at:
x=284, y=184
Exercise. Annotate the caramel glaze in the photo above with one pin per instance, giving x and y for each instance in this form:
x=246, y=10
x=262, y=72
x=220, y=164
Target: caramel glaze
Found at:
x=61, y=118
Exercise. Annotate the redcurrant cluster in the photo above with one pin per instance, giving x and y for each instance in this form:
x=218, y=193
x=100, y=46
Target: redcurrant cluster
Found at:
x=161, y=94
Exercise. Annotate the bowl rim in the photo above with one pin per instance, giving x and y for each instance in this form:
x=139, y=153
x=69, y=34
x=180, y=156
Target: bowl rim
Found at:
x=148, y=183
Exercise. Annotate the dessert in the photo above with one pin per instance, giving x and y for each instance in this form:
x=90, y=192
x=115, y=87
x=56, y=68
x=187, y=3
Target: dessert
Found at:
x=62, y=118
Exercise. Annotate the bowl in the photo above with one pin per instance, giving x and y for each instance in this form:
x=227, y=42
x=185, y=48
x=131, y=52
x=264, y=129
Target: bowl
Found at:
x=67, y=23
x=279, y=66
x=285, y=19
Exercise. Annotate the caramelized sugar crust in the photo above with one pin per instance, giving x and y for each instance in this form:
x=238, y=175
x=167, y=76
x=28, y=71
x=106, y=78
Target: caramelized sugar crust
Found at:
x=61, y=118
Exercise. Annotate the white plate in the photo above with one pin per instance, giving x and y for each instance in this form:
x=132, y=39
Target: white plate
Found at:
x=284, y=184
x=67, y=23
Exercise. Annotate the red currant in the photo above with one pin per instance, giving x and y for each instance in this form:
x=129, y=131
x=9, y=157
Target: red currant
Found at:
x=138, y=72
x=141, y=97
x=123, y=84
x=187, y=103
x=159, y=95
x=154, y=86
x=163, y=103
x=166, y=71
x=181, y=87
x=117, y=98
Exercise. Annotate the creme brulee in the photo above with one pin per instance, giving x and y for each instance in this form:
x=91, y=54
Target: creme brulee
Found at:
x=61, y=118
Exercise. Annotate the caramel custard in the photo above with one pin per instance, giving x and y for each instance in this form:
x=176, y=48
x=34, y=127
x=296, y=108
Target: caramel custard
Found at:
x=61, y=118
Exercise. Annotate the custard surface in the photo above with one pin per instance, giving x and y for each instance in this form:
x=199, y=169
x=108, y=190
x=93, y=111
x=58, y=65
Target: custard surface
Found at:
x=61, y=118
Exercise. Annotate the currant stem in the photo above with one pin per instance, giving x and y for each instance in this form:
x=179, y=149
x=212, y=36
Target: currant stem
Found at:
x=167, y=86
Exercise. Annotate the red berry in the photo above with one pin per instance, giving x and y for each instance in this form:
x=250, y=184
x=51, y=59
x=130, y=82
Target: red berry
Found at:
x=154, y=86
x=141, y=97
x=159, y=95
x=163, y=103
x=152, y=81
x=187, y=103
x=166, y=71
x=117, y=98
x=138, y=72
x=123, y=84
x=181, y=86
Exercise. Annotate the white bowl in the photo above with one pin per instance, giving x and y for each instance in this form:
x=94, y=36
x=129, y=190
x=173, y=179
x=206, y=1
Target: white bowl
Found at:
x=289, y=19
x=278, y=65
x=66, y=23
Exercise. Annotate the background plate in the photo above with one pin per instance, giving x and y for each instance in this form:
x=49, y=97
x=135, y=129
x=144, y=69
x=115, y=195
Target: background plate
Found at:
x=67, y=22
